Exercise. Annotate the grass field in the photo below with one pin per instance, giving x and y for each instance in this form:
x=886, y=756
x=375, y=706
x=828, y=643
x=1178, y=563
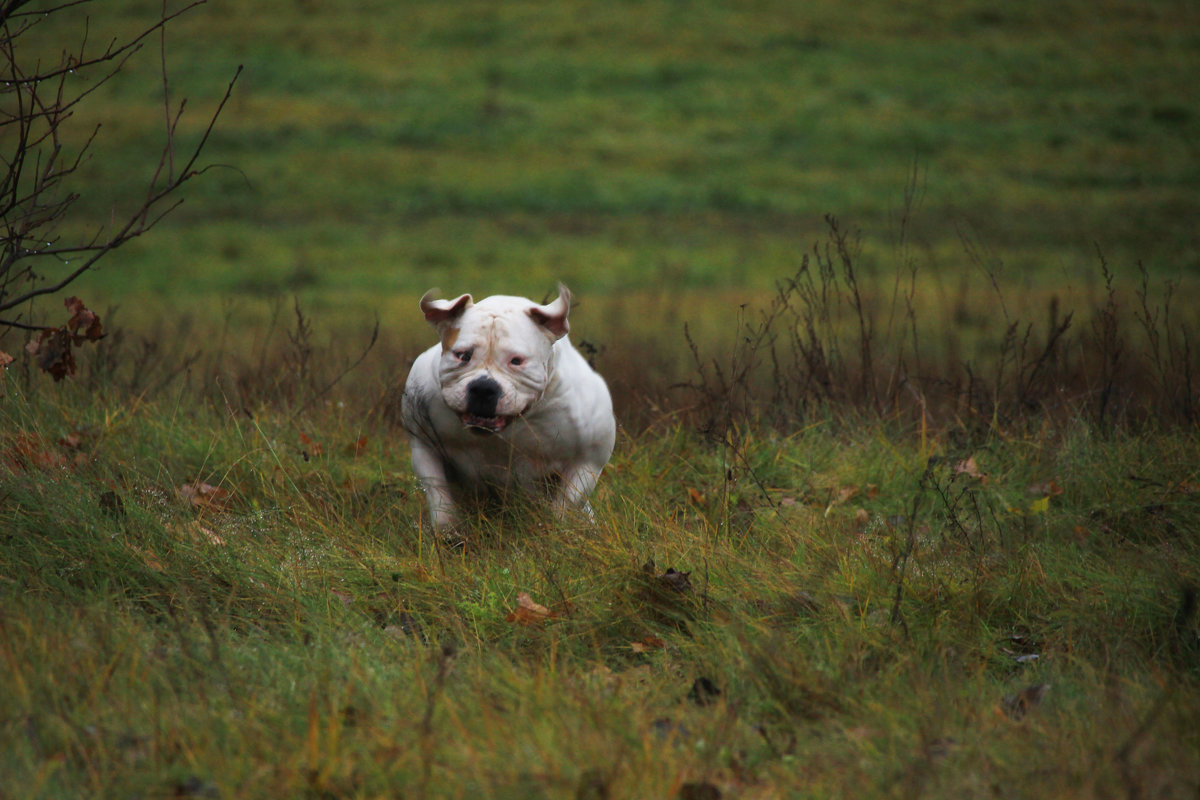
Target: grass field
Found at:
x=379, y=149
x=903, y=505
x=203, y=603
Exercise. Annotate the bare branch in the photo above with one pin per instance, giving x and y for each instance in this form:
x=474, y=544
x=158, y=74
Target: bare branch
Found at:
x=114, y=50
x=21, y=326
x=32, y=200
x=188, y=168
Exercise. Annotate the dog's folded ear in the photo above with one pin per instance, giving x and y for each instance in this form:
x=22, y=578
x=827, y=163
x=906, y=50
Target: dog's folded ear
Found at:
x=553, y=316
x=443, y=313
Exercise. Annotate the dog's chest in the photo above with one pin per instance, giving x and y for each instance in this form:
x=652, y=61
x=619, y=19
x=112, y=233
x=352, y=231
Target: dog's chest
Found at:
x=522, y=457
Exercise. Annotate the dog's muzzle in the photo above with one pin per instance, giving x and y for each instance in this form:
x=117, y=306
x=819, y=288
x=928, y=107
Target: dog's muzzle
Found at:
x=483, y=395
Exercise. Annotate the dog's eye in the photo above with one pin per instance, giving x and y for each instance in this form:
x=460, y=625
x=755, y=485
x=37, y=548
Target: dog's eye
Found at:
x=516, y=361
x=463, y=355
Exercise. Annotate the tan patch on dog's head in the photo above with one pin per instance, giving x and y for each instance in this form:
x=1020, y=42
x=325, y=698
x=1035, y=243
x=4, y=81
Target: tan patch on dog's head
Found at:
x=449, y=338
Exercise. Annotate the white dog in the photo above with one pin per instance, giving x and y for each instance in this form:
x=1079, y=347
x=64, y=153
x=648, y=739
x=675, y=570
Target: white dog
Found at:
x=505, y=402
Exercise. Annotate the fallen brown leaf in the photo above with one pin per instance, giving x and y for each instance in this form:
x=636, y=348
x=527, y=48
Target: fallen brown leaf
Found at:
x=73, y=440
x=528, y=612
x=197, y=532
x=1020, y=703
x=647, y=645
x=27, y=450
x=970, y=468
x=1047, y=489
x=152, y=561
x=310, y=446
x=205, y=496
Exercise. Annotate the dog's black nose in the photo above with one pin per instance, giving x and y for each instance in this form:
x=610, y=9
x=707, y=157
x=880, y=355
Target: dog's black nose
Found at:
x=483, y=394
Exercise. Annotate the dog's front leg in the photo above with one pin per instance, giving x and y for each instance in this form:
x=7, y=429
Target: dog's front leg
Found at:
x=431, y=472
x=577, y=483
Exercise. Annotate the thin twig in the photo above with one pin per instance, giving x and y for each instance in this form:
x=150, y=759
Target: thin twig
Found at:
x=132, y=229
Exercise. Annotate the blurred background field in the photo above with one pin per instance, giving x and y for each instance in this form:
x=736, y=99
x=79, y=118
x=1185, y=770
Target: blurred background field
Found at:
x=904, y=501
x=634, y=150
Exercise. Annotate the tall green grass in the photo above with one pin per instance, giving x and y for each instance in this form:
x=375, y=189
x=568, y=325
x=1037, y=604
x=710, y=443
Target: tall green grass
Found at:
x=210, y=600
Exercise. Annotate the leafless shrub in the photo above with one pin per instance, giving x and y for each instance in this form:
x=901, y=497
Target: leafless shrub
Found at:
x=38, y=99
x=1169, y=348
x=814, y=350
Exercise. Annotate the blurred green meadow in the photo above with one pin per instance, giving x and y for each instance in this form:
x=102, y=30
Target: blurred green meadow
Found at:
x=374, y=150
x=904, y=501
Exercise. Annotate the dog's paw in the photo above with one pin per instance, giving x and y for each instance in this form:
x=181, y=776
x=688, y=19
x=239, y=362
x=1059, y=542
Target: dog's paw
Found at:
x=452, y=540
x=452, y=535
x=575, y=514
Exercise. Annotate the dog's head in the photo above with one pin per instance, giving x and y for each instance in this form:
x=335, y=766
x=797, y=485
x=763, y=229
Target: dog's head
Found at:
x=497, y=354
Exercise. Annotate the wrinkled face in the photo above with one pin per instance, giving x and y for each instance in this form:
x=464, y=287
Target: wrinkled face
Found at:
x=495, y=361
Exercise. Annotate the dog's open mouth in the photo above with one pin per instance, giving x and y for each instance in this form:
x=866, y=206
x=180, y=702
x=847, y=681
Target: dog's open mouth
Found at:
x=484, y=424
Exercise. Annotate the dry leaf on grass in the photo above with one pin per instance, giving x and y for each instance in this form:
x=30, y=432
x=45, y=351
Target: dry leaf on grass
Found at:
x=861, y=518
x=970, y=468
x=27, y=450
x=1047, y=489
x=310, y=447
x=528, y=612
x=209, y=536
x=195, y=531
x=1020, y=703
x=24, y=451
x=149, y=558
x=72, y=441
x=648, y=645
x=1040, y=506
x=205, y=496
